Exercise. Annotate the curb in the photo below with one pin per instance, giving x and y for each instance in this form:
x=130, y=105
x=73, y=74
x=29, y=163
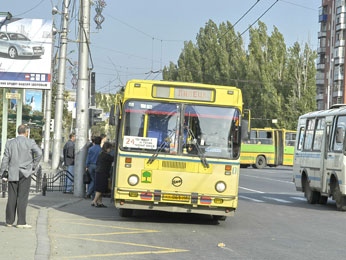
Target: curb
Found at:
x=43, y=242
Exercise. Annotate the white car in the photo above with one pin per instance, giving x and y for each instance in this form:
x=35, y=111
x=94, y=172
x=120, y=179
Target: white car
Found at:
x=17, y=44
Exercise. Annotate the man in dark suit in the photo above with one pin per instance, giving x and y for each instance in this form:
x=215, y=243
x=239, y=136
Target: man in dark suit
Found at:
x=69, y=156
x=21, y=157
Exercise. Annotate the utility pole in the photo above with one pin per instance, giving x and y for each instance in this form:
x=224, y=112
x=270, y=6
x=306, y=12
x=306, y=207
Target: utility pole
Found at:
x=59, y=105
x=48, y=116
x=48, y=105
x=82, y=112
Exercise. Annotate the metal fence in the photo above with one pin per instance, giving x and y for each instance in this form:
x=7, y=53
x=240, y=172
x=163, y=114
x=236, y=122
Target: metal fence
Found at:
x=43, y=182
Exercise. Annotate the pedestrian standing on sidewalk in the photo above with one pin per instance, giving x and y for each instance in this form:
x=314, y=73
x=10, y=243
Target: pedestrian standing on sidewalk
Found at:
x=103, y=168
x=69, y=156
x=93, y=153
x=21, y=158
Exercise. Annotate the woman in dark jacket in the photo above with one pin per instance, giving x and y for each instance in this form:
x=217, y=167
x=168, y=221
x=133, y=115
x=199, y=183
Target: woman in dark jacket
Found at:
x=103, y=167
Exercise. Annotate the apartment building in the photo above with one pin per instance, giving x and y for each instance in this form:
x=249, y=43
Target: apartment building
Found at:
x=330, y=77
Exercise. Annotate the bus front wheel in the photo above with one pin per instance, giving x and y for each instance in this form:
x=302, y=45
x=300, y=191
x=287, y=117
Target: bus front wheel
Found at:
x=260, y=162
x=223, y=218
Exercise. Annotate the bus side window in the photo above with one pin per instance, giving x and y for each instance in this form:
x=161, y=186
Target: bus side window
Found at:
x=339, y=135
x=301, y=138
x=339, y=138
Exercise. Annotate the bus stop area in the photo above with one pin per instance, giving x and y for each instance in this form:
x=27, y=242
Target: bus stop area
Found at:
x=58, y=223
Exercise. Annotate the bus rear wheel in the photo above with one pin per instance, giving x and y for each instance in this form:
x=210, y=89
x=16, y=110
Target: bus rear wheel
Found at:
x=323, y=200
x=260, y=162
x=311, y=196
x=340, y=200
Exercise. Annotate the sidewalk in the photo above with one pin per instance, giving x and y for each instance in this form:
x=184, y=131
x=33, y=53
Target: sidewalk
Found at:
x=33, y=243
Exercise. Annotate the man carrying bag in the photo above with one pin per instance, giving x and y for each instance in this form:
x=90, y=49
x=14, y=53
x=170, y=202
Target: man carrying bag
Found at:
x=21, y=158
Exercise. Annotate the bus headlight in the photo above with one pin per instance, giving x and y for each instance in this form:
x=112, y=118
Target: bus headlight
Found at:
x=220, y=186
x=133, y=180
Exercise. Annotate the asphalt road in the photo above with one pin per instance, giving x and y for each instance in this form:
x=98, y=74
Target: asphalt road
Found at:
x=273, y=221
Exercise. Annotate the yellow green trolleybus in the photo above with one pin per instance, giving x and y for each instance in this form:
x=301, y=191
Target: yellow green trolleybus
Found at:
x=268, y=147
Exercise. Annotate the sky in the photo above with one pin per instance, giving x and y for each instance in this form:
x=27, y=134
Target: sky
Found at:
x=138, y=38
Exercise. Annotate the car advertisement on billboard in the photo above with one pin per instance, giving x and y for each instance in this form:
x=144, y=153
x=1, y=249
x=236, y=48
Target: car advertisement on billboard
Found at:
x=25, y=53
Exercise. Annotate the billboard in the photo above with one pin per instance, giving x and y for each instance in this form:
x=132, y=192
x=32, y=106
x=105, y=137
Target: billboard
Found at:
x=25, y=53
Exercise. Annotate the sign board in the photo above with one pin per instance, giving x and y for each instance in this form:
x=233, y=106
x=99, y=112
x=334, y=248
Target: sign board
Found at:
x=139, y=142
x=25, y=53
x=33, y=98
x=12, y=95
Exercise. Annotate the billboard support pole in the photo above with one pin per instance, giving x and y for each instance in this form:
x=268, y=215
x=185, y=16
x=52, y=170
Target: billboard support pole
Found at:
x=4, y=121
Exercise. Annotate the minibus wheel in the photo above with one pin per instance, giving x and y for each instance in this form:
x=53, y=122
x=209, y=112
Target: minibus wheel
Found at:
x=311, y=196
x=323, y=200
x=340, y=200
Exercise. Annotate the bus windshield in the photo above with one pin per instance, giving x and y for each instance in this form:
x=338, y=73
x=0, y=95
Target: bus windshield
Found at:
x=177, y=128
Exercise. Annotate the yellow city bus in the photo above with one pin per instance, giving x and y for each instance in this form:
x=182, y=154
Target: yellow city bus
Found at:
x=178, y=148
x=268, y=147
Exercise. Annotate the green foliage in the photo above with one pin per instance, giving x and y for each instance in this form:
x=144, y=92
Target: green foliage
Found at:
x=104, y=102
x=274, y=79
x=33, y=119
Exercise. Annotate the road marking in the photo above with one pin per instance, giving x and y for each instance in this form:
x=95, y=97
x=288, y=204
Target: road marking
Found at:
x=278, y=200
x=268, y=179
x=272, y=198
x=298, y=198
x=107, y=237
x=257, y=191
x=248, y=198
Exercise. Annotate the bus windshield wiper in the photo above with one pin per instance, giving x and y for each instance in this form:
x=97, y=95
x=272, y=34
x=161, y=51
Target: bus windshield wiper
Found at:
x=199, y=151
x=201, y=156
x=166, y=141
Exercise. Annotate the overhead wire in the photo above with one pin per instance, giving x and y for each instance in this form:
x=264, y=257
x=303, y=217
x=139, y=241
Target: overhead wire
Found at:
x=302, y=6
x=250, y=26
x=156, y=38
x=241, y=18
x=165, y=40
x=29, y=10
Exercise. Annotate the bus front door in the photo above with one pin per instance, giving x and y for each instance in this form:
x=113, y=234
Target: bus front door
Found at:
x=325, y=163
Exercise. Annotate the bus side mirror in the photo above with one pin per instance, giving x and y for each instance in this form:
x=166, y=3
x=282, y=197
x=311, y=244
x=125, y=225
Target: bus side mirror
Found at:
x=112, y=115
x=244, y=130
x=339, y=135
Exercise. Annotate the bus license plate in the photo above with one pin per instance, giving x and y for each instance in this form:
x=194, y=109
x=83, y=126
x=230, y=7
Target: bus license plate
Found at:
x=176, y=197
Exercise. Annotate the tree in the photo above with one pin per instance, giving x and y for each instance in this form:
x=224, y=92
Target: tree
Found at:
x=301, y=76
x=104, y=101
x=267, y=58
x=273, y=78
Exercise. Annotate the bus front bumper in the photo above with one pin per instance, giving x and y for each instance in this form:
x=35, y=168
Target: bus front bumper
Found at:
x=176, y=208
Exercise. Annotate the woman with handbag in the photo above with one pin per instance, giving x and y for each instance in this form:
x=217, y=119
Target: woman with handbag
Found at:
x=103, y=167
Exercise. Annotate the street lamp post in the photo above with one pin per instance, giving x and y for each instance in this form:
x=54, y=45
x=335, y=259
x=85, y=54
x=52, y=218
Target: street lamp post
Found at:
x=59, y=105
x=82, y=112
